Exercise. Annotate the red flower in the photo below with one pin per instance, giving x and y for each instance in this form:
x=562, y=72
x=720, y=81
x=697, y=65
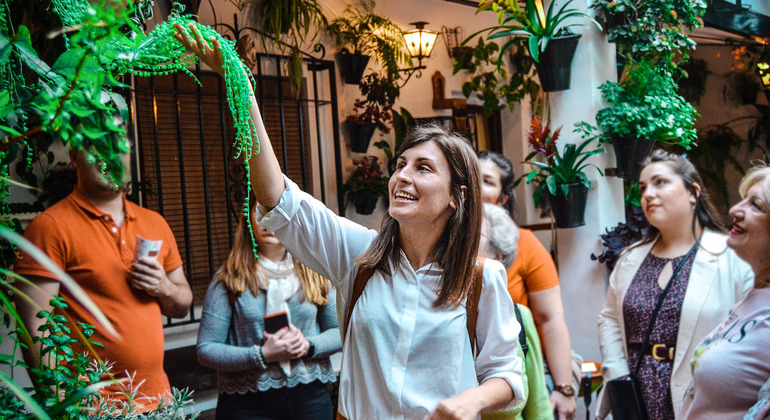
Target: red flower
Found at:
x=541, y=140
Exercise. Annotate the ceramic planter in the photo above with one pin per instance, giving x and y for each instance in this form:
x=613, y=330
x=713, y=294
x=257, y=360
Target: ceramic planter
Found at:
x=569, y=211
x=352, y=66
x=630, y=152
x=555, y=66
x=365, y=205
x=360, y=135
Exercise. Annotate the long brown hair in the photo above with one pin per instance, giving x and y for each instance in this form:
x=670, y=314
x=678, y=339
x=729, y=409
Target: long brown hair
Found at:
x=241, y=271
x=459, y=243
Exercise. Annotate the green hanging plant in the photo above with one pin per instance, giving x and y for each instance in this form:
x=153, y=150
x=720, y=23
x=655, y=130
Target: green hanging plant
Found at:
x=652, y=30
x=491, y=82
x=532, y=25
x=645, y=104
x=288, y=25
x=360, y=31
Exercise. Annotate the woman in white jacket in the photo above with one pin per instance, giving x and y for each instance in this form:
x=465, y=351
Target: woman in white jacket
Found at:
x=712, y=279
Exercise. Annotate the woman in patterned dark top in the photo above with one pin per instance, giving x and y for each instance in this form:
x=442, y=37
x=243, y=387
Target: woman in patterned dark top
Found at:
x=710, y=281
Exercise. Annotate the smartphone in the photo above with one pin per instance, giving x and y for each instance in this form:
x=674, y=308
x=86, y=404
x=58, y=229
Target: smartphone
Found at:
x=274, y=322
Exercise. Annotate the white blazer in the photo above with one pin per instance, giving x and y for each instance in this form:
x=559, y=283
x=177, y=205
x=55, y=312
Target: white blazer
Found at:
x=718, y=280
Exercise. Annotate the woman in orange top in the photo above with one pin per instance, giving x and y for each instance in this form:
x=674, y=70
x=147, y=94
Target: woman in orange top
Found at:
x=534, y=282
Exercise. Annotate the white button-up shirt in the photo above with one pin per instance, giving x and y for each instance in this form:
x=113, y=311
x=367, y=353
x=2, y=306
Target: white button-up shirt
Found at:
x=401, y=356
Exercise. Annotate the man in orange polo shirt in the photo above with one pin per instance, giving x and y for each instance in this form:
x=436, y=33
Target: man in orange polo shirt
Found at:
x=92, y=235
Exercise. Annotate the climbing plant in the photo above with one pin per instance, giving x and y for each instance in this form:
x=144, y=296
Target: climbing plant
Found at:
x=75, y=98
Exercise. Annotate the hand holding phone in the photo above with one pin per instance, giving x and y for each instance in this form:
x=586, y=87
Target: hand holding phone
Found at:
x=274, y=322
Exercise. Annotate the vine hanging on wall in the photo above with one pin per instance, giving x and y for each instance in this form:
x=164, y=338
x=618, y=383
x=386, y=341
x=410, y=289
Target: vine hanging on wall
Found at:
x=70, y=99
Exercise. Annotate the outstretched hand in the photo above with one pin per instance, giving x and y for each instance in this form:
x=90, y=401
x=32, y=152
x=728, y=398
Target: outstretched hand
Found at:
x=208, y=51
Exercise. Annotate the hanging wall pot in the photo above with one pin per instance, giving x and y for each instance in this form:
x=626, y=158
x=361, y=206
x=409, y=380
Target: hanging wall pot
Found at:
x=360, y=135
x=365, y=205
x=352, y=66
x=569, y=211
x=630, y=152
x=555, y=66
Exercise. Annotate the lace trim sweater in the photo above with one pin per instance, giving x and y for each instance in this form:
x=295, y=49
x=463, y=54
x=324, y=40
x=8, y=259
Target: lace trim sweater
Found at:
x=230, y=334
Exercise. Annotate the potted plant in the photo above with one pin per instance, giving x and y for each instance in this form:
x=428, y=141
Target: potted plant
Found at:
x=741, y=88
x=366, y=184
x=493, y=83
x=287, y=25
x=372, y=112
x=651, y=30
x=644, y=108
x=549, y=40
x=561, y=174
x=361, y=34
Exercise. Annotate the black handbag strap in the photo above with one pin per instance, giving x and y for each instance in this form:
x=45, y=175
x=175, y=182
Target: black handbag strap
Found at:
x=522, y=333
x=646, y=342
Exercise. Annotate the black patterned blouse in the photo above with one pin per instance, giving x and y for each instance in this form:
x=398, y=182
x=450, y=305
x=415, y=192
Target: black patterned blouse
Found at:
x=641, y=298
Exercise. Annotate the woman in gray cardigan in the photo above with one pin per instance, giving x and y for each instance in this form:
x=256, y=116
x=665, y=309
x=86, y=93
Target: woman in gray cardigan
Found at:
x=262, y=375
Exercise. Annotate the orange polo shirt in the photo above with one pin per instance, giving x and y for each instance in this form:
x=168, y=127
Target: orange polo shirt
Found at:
x=533, y=269
x=85, y=242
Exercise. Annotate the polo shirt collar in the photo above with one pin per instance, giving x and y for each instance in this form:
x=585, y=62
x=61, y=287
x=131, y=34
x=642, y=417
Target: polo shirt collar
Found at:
x=84, y=203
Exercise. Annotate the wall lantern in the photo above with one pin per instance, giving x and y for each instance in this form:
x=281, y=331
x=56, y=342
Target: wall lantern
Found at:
x=453, y=38
x=419, y=42
x=763, y=70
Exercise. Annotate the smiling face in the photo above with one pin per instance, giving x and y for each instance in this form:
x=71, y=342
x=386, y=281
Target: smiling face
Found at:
x=665, y=199
x=419, y=190
x=750, y=235
x=491, y=183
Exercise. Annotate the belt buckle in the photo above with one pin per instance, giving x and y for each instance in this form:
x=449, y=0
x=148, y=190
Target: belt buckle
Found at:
x=655, y=348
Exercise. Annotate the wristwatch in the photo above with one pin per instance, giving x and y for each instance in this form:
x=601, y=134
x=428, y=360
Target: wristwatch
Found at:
x=566, y=389
x=310, y=349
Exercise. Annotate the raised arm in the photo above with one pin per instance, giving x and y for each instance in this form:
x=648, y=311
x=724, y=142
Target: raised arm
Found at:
x=39, y=291
x=266, y=176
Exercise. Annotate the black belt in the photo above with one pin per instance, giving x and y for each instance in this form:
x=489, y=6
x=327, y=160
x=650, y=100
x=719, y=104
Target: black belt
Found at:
x=660, y=351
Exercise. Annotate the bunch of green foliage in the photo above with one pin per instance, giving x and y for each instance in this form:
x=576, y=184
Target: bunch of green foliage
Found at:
x=65, y=384
x=288, y=25
x=645, y=104
x=652, y=29
x=534, y=27
x=556, y=169
x=360, y=31
x=491, y=82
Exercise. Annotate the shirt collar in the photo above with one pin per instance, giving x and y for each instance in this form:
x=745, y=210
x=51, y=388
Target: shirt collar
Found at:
x=84, y=203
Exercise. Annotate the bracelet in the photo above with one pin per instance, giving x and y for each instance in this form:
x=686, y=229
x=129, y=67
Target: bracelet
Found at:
x=261, y=363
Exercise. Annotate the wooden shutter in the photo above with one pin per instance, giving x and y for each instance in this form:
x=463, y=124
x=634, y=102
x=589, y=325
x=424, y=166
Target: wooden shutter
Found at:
x=185, y=133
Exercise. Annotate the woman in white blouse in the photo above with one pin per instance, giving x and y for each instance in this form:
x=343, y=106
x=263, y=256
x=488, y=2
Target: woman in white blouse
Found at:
x=407, y=354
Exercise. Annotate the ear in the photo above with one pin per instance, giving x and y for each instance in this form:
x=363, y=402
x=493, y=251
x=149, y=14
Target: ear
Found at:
x=73, y=157
x=464, y=192
x=503, y=200
x=694, y=197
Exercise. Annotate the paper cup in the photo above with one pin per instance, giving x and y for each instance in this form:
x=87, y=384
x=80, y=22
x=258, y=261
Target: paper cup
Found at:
x=147, y=248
